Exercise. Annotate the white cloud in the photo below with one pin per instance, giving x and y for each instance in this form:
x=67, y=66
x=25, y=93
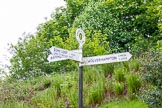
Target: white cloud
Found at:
x=18, y=16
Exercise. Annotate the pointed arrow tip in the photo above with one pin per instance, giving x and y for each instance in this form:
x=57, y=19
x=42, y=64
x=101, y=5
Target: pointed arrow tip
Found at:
x=129, y=55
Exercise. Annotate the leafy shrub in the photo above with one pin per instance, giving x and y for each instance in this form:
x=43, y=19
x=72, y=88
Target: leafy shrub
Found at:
x=153, y=97
x=153, y=68
x=152, y=62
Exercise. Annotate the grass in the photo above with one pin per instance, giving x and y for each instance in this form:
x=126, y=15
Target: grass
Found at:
x=125, y=104
x=61, y=90
x=13, y=104
x=134, y=82
x=118, y=88
x=119, y=74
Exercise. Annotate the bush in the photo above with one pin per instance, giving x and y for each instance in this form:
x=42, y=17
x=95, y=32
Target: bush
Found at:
x=153, y=97
x=153, y=75
x=153, y=68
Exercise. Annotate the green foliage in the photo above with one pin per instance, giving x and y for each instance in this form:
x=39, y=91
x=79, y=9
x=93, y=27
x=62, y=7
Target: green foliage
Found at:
x=119, y=74
x=124, y=23
x=108, y=69
x=15, y=105
x=153, y=97
x=134, y=65
x=159, y=46
x=61, y=90
x=110, y=26
x=58, y=90
x=96, y=93
x=30, y=55
x=125, y=104
x=134, y=83
x=29, y=58
x=46, y=99
x=95, y=87
x=153, y=74
x=153, y=66
x=95, y=46
x=118, y=88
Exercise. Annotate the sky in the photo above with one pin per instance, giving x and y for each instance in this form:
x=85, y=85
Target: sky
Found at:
x=19, y=16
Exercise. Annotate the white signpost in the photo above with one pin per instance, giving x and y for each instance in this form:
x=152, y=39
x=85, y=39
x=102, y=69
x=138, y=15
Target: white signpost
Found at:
x=106, y=59
x=58, y=54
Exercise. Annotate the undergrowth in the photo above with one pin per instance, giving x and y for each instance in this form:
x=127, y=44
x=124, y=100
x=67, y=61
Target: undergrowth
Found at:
x=125, y=104
x=61, y=90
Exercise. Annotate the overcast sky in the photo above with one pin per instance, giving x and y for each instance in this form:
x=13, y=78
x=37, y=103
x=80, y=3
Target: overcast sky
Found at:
x=19, y=16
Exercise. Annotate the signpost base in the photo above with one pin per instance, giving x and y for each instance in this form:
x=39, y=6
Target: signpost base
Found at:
x=80, y=86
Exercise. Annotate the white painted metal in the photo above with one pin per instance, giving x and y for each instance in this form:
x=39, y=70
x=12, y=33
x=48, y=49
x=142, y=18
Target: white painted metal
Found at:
x=82, y=40
x=62, y=54
x=106, y=59
x=53, y=58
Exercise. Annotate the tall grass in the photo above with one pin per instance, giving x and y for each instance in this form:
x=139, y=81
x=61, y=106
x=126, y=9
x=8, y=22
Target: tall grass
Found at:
x=61, y=90
x=118, y=88
x=119, y=74
x=108, y=69
x=134, y=82
x=13, y=104
x=125, y=104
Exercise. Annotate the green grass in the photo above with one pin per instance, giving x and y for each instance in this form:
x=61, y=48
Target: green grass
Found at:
x=13, y=104
x=125, y=104
x=61, y=90
x=134, y=82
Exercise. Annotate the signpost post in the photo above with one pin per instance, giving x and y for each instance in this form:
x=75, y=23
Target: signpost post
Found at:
x=81, y=42
x=58, y=54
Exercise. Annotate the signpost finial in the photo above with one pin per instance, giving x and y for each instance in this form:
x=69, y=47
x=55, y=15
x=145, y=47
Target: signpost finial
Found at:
x=82, y=40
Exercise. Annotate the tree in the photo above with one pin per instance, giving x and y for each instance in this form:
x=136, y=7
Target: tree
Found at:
x=127, y=23
x=29, y=57
x=109, y=25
